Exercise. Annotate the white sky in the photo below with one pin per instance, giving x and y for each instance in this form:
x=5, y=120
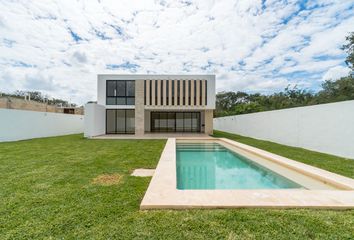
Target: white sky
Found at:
x=59, y=47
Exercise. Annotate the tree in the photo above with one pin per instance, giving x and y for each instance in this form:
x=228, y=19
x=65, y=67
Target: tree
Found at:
x=232, y=103
x=225, y=101
x=349, y=48
x=334, y=91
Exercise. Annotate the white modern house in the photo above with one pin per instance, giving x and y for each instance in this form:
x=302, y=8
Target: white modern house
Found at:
x=139, y=104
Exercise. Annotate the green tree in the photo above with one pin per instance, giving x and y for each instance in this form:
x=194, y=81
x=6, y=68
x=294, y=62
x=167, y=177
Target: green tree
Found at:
x=232, y=103
x=349, y=48
x=334, y=91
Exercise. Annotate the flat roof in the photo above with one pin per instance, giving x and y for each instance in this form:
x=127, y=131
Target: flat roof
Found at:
x=133, y=74
x=156, y=76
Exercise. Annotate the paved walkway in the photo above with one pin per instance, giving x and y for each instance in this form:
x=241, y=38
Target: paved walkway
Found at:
x=142, y=172
x=153, y=136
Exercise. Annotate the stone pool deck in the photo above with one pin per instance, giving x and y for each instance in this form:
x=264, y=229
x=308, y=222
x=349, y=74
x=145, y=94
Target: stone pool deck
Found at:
x=163, y=194
x=153, y=136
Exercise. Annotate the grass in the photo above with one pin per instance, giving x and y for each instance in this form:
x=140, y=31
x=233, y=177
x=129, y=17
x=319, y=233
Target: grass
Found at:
x=343, y=166
x=47, y=192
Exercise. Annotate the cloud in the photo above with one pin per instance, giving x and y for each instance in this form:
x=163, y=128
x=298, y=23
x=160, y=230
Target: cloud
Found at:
x=126, y=65
x=61, y=46
x=40, y=82
x=80, y=57
x=335, y=73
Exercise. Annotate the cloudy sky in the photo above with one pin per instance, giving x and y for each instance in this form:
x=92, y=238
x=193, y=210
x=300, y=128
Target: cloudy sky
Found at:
x=58, y=47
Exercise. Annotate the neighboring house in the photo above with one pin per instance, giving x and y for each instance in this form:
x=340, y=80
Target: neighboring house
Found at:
x=25, y=104
x=138, y=104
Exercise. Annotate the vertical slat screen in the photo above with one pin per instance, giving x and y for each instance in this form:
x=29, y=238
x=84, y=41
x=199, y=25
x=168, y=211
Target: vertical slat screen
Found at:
x=164, y=91
x=147, y=92
x=181, y=97
x=186, y=92
x=153, y=94
x=206, y=93
x=198, y=93
x=158, y=92
x=203, y=93
x=170, y=93
x=191, y=82
x=175, y=96
x=175, y=92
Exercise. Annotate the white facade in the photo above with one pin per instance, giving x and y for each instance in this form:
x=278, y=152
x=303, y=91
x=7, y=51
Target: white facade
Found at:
x=102, y=78
x=95, y=119
x=192, y=96
x=327, y=128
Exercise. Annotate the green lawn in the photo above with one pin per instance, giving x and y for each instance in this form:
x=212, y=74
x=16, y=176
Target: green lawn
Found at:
x=328, y=162
x=46, y=192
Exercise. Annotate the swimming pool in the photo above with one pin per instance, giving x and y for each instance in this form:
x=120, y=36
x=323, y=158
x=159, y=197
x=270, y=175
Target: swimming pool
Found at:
x=212, y=166
x=245, y=177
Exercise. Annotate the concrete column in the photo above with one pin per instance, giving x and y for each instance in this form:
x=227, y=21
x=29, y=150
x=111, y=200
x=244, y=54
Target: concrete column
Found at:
x=181, y=96
x=191, y=82
x=170, y=92
x=203, y=93
x=176, y=91
x=147, y=93
x=139, y=108
x=208, y=121
x=158, y=82
x=186, y=92
x=164, y=92
x=153, y=94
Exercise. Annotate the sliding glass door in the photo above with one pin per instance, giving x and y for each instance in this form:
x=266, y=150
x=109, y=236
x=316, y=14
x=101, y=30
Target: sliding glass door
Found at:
x=175, y=121
x=120, y=121
x=130, y=121
x=110, y=121
x=171, y=122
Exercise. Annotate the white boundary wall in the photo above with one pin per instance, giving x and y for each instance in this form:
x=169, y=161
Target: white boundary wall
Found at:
x=21, y=124
x=327, y=128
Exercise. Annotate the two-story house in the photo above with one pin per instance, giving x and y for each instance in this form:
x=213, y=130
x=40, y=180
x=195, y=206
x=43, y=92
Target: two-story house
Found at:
x=139, y=104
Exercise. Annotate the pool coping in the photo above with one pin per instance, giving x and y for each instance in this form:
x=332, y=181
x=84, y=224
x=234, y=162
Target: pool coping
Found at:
x=163, y=194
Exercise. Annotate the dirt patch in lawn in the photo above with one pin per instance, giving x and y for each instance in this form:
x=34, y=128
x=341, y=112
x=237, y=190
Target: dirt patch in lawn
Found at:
x=107, y=179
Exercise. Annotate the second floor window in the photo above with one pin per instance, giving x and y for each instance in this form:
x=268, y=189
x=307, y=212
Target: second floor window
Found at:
x=121, y=92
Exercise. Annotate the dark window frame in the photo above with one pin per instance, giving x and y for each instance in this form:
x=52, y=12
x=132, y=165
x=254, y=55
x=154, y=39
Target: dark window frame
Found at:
x=167, y=92
x=69, y=110
x=200, y=92
x=184, y=92
x=197, y=114
x=189, y=82
x=178, y=92
x=115, y=121
x=150, y=90
x=206, y=92
x=173, y=92
x=161, y=92
x=126, y=97
x=195, y=92
x=156, y=83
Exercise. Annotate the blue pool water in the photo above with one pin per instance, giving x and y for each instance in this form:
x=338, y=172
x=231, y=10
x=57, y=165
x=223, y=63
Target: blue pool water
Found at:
x=212, y=166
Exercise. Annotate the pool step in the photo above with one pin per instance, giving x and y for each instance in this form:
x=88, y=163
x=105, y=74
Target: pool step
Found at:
x=207, y=147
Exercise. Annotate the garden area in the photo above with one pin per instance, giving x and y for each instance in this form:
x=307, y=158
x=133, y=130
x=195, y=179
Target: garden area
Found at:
x=70, y=187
